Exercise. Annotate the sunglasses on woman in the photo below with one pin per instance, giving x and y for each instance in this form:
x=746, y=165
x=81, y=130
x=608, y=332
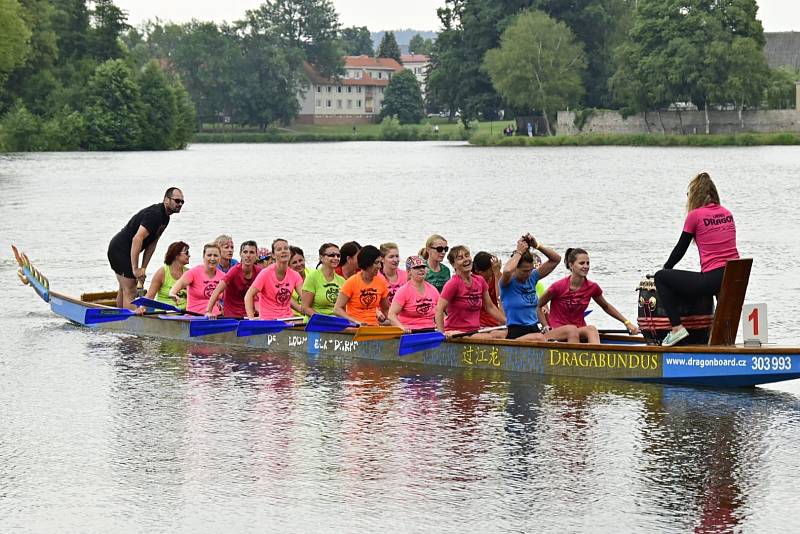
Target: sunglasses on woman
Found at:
x=441, y=250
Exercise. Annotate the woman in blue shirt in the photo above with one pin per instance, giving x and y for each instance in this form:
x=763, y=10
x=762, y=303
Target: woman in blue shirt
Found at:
x=518, y=293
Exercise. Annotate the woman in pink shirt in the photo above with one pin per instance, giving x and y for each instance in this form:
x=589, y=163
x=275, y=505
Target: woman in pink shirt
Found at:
x=394, y=277
x=414, y=304
x=463, y=297
x=201, y=281
x=570, y=296
x=275, y=286
x=714, y=232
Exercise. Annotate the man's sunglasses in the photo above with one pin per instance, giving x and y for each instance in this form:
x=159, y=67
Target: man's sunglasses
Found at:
x=177, y=200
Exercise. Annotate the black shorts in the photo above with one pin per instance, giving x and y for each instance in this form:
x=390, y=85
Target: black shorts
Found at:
x=120, y=261
x=519, y=330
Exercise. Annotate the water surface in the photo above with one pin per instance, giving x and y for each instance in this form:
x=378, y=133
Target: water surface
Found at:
x=103, y=432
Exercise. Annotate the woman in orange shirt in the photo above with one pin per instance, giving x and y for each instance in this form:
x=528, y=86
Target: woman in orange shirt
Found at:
x=364, y=297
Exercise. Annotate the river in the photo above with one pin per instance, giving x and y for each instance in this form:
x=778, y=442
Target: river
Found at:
x=103, y=432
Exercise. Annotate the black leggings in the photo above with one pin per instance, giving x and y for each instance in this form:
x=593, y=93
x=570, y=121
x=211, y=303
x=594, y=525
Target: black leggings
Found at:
x=675, y=287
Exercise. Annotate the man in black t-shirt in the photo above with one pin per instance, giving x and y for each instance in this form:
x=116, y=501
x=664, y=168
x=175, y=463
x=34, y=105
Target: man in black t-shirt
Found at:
x=140, y=235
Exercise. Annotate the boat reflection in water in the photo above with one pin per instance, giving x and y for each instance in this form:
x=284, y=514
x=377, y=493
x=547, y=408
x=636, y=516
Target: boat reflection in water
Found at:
x=363, y=442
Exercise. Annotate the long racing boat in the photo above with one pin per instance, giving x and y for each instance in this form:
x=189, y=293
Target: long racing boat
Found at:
x=618, y=357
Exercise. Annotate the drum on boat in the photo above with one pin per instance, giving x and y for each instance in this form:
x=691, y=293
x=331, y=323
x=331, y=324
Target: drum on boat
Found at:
x=697, y=316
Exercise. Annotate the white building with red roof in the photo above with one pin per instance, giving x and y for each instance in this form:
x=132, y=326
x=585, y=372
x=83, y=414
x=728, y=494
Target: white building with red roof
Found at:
x=356, y=97
x=419, y=65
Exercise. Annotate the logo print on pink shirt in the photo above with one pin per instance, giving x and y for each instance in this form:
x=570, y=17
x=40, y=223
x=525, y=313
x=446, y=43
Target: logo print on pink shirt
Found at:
x=283, y=295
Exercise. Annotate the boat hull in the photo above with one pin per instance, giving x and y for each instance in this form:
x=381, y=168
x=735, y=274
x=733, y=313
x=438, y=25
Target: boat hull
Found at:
x=698, y=365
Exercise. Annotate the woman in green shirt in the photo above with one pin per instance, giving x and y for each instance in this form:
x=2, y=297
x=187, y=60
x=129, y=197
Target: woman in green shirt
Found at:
x=321, y=286
x=175, y=261
x=435, y=249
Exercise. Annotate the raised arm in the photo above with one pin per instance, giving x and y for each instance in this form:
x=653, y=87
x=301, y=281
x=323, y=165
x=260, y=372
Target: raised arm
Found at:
x=511, y=264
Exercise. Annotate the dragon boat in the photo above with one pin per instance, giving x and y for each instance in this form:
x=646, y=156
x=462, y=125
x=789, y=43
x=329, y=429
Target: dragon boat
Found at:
x=717, y=364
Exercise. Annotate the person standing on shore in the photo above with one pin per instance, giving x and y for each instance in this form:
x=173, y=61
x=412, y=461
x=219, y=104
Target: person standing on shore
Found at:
x=139, y=237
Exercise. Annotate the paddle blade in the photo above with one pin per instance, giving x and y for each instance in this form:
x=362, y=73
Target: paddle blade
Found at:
x=106, y=315
x=327, y=323
x=258, y=327
x=371, y=333
x=587, y=312
x=206, y=327
x=150, y=303
x=416, y=342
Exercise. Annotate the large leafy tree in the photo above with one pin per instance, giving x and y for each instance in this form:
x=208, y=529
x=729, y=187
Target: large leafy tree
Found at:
x=420, y=45
x=267, y=74
x=389, y=47
x=681, y=51
x=159, y=110
x=538, y=64
x=403, y=99
x=14, y=37
x=109, y=22
x=308, y=25
x=356, y=41
x=114, y=111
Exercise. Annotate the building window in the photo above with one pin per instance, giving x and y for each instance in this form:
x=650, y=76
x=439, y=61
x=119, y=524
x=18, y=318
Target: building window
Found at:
x=338, y=88
x=319, y=88
x=329, y=88
x=338, y=104
x=349, y=104
x=327, y=103
x=349, y=89
x=358, y=89
x=358, y=103
x=319, y=102
x=380, y=75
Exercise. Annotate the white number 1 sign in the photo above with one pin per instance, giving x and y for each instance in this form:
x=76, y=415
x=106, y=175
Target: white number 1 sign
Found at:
x=754, y=320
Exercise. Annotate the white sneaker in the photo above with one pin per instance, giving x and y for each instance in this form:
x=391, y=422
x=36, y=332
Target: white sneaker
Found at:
x=674, y=337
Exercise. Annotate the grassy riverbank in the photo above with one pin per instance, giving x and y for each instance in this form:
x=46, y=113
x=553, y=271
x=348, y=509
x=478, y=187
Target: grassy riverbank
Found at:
x=742, y=139
x=386, y=131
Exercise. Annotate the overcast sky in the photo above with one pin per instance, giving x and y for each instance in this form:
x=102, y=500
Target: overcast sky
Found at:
x=776, y=15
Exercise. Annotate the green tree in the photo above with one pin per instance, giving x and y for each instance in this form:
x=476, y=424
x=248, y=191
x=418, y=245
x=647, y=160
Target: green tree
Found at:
x=601, y=25
x=14, y=37
x=420, y=45
x=781, y=90
x=186, y=116
x=110, y=22
x=538, y=64
x=114, y=110
x=680, y=51
x=748, y=75
x=403, y=98
x=266, y=75
x=159, y=111
x=389, y=47
x=356, y=41
x=71, y=24
x=308, y=25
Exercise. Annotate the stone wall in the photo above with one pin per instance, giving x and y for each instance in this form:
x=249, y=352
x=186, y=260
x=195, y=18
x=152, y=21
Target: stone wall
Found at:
x=685, y=122
x=336, y=119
